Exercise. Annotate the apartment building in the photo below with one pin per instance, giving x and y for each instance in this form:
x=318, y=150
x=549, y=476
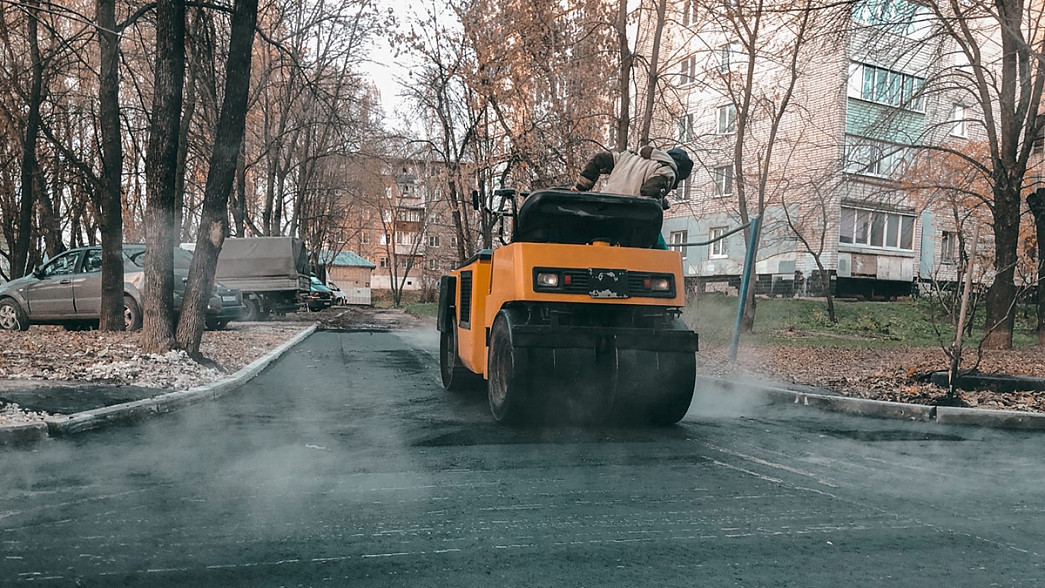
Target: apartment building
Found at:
x=860, y=105
x=404, y=226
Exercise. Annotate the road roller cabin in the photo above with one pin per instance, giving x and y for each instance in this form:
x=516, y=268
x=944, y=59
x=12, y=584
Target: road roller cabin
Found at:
x=575, y=317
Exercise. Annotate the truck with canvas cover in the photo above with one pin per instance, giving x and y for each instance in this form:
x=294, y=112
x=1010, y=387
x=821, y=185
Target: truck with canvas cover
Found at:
x=272, y=272
x=576, y=315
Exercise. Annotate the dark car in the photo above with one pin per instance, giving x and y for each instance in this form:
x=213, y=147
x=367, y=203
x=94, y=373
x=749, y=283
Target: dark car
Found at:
x=319, y=296
x=68, y=291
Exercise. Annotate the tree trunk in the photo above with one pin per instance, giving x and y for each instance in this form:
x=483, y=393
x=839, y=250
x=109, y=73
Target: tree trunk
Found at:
x=183, y=152
x=227, y=143
x=160, y=171
x=50, y=224
x=110, y=202
x=239, y=207
x=654, y=73
x=627, y=60
x=1001, y=296
x=1036, y=203
x=30, y=165
x=825, y=284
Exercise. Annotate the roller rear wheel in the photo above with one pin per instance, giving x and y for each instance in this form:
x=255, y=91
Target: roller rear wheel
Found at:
x=506, y=378
x=456, y=377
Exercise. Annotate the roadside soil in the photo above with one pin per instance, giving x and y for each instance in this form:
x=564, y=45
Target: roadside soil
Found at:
x=896, y=374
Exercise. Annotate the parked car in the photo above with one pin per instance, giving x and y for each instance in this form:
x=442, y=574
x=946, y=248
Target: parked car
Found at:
x=340, y=298
x=319, y=296
x=68, y=291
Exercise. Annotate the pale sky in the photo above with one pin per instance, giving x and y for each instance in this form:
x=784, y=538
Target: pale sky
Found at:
x=383, y=67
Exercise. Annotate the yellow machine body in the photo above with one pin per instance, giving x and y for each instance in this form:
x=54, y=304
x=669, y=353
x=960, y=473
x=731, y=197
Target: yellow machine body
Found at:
x=506, y=276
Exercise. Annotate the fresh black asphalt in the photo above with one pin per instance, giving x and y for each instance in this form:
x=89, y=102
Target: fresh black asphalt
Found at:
x=346, y=464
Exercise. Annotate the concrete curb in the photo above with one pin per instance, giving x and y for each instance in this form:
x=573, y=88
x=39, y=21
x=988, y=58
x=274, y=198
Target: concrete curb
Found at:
x=1003, y=419
x=1000, y=419
x=139, y=409
x=22, y=433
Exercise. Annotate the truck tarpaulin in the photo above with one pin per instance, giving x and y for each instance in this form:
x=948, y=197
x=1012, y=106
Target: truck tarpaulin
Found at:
x=262, y=256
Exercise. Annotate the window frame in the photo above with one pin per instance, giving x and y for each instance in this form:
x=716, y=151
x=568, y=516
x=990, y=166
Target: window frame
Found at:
x=857, y=228
x=675, y=238
x=723, y=182
x=729, y=111
x=717, y=249
x=74, y=256
x=728, y=57
x=888, y=87
x=959, y=118
x=948, y=248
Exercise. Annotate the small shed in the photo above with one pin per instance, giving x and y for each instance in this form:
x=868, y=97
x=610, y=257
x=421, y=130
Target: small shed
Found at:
x=350, y=272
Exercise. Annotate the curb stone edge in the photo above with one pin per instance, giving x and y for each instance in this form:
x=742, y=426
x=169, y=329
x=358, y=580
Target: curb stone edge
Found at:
x=1001, y=419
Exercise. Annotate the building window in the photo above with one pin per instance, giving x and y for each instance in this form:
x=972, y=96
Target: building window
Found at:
x=677, y=238
x=902, y=17
x=683, y=192
x=947, y=247
x=729, y=58
x=688, y=70
x=685, y=127
x=874, y=228
x=433, y=264
x=383, y=262
x=433, y=240
x=960, y=127
x=961, y=61
x=385, y=240
x=874, y=158
x=723, y=180
x=400, y=238
x=884, y=86
x=408, y=215
x=727, y=119
x=364, y=238
x=718, y=248
x=453, y=242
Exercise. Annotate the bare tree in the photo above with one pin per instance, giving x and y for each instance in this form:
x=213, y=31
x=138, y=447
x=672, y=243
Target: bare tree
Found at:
x=1001, y=76
x=29, y=166
x=653, y=74
x=227, y=145
x=810, y=219
x=768, y=51
x=160, y=171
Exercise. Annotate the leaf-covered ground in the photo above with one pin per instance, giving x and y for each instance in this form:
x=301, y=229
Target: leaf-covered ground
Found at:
x=898, y=374
x=53, y=354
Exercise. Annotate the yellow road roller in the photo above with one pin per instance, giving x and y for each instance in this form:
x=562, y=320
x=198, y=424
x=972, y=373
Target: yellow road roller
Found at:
x=576, y=316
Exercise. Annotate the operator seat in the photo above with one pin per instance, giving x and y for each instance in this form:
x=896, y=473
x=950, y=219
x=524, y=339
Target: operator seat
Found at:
x=578, y=218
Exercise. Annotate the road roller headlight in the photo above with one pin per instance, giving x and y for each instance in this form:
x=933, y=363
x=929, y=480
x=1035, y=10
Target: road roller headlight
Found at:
x=547, y=280
x=660, y=284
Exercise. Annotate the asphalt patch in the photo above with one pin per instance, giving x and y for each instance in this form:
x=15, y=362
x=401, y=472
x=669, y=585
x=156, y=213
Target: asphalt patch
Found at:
x=506, y=435
x=893, y=435
x=57, y=399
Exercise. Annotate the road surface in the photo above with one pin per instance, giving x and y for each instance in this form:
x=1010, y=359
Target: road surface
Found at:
x=346, y=464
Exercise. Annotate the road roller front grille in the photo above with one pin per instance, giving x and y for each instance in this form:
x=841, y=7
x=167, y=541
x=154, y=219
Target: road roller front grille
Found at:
x=466, y=300
x=578, y=281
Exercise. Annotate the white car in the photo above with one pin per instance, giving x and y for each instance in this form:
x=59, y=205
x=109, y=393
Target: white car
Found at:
x=340, y=298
